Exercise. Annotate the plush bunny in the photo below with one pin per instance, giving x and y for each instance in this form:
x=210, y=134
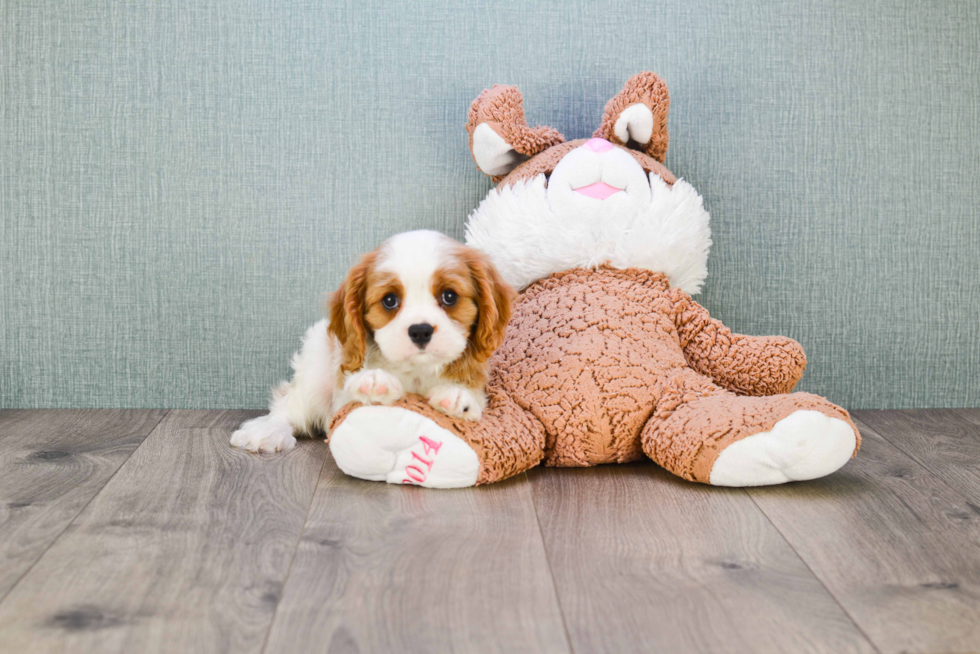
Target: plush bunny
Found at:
x=606, y=357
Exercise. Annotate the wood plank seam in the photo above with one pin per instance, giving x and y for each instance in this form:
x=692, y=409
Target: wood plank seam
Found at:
x=82, y=509
x=382, y=568
x=837, y=601
x=939, y=474
x=292, y=559
x=916, y=537
x=185, y=549
x=547, y=558
x=645, y=561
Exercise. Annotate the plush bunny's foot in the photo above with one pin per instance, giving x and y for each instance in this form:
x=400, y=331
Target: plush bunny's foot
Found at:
x=399, y=446
x=803, y=445
x=716, y=437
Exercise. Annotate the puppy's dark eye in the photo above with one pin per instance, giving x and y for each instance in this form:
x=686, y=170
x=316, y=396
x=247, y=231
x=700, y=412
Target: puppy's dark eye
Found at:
x=449, y=298
x=390, y=301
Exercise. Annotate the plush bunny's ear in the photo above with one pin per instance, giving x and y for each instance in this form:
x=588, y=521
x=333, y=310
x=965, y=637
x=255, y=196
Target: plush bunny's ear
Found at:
x=500, y=138
x=637, y=116
x=493, y=155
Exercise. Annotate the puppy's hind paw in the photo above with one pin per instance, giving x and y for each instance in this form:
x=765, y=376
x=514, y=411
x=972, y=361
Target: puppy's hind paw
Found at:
x=457, y=401
x=265, y=434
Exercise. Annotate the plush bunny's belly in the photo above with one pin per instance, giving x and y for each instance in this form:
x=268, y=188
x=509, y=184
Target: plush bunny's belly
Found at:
x=586, y=353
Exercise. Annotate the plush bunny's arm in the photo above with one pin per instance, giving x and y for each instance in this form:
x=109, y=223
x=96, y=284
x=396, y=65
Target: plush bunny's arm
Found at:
x=747, y=365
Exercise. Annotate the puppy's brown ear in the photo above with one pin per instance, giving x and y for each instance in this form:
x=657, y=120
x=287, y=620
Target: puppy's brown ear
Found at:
x=347, y=314
x=637, y=116
x=500, y=138
x=493, y=301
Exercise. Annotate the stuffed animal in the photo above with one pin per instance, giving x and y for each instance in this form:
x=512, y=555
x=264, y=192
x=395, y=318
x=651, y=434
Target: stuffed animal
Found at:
x=606, y=358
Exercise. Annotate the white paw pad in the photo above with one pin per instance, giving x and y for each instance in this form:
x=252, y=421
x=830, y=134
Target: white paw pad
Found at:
x=803, y=445
x=456, y=401
x=402, y=447
x=373, y=387
x=265, y=434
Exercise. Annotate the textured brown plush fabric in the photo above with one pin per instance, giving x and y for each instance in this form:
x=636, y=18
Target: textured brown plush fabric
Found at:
x=649, y=89
x=608, y=365
x=747, y=365
x=545, y=163
x=695, y=420
x=506, y=445
x=502, y=107
x=603, y=366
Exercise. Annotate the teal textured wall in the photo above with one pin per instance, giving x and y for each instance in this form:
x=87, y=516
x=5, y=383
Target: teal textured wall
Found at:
x=181, y=181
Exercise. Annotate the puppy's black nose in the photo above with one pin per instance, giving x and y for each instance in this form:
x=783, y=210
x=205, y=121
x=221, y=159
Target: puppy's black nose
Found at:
x=421, y=334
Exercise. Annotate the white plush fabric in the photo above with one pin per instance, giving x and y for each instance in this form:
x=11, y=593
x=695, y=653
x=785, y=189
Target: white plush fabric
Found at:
x=396, y=445
x=530, y=229
x=803, y=445
x=493, y=154
x=635, y=122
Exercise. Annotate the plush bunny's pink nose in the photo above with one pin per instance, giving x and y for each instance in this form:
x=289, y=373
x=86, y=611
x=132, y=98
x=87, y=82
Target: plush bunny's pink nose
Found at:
x=598, y=145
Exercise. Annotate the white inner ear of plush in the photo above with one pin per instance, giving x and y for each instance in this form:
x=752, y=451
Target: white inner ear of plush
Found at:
x=636, y=122
x=529, y=236
x=493, y=154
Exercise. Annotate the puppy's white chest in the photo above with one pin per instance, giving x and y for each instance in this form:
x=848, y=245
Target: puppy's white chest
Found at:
x=419, y=381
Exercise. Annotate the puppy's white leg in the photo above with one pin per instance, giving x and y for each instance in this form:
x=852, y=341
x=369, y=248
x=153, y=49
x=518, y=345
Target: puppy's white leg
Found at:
x=374, y=386
x=302, y=405
x=268, y=433
x=457, y=401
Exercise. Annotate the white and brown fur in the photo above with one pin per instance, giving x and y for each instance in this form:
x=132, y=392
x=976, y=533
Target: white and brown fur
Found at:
x=363, y=352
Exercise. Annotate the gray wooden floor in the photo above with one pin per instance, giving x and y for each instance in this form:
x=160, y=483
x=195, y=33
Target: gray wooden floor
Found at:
x=143, y=531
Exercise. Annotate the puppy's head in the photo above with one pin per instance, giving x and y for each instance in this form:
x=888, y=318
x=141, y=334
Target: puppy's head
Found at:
x=424, y=300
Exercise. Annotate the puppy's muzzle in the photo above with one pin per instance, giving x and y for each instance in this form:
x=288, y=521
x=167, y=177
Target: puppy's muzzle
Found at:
x=421, y=334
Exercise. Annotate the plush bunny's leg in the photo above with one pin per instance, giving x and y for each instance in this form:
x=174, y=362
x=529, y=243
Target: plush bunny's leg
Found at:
x=400, y=446
x=704, y=433
x=412, y=443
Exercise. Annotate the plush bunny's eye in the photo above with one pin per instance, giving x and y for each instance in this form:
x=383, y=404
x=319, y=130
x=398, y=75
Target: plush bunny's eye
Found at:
x=449, y=297
x=390, y=302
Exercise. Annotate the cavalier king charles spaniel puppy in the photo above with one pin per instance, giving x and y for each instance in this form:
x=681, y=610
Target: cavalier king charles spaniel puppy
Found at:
x=420, y=314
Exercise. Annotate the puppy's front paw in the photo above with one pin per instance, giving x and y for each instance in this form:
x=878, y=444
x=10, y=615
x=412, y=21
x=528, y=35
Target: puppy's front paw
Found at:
x=374, y=387
x=457, y=401
x=265, y=434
